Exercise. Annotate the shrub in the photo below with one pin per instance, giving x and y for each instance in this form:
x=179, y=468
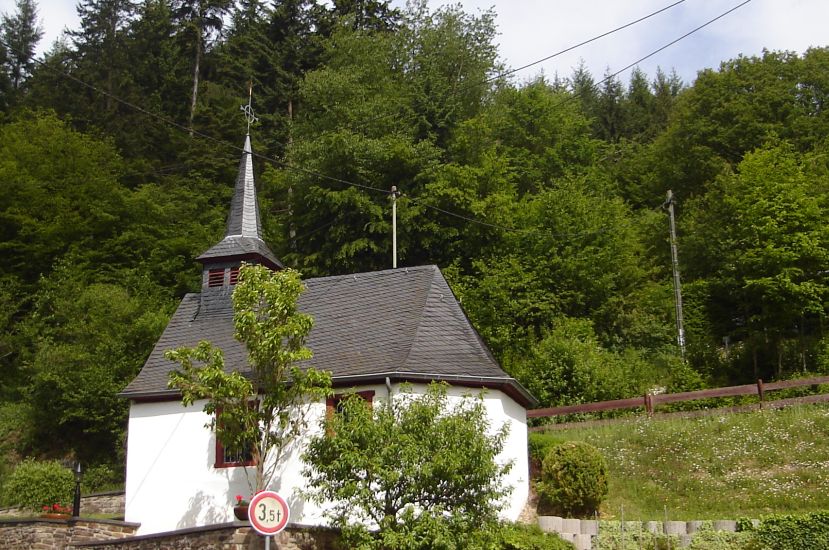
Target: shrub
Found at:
x=34, y=484
x=517, y=536
x=573, y=479
x=787, y=532
x=102, y=477
x=540, y=444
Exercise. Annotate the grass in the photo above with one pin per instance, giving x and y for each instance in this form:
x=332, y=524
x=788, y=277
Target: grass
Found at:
x=716, y=467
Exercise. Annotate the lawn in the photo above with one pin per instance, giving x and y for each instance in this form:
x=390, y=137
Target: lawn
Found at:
x=717, y=467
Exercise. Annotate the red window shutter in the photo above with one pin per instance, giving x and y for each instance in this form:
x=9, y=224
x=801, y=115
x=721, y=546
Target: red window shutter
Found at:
x=216, y=277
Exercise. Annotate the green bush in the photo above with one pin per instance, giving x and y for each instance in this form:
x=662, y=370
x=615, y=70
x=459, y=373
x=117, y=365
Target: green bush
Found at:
x=573, y=479
x=102, y=477
x=540, y=444
x=34, y=484
x=518, y=536
x=612, y=537
x=787, y=532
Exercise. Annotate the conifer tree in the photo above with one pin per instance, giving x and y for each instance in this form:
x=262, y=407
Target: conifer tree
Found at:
x=21, y=32
x=200, y=23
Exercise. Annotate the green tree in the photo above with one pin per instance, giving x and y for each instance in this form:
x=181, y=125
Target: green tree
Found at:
x=758, y=238
x=88, y=339
x=268, y=411
x=100, y=49
x=419, y=468
x=21, y=32
x=60, y=194
x=200, y=21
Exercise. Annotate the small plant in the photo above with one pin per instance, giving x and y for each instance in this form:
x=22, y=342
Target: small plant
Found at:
x=241, y=501
x=573, y=479
x=34, y=484
x=57, y=509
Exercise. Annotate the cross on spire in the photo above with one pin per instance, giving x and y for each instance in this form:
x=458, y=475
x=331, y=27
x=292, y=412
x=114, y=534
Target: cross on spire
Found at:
x=250, y=116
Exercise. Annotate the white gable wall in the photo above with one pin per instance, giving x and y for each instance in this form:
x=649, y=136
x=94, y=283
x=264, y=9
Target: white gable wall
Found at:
x=172, y=484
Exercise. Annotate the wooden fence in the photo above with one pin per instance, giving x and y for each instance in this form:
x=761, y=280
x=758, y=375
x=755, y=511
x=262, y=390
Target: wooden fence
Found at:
x=650, y=402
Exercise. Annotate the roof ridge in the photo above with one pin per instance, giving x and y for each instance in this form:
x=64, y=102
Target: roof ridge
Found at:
x=419, y=324
x=376, y=272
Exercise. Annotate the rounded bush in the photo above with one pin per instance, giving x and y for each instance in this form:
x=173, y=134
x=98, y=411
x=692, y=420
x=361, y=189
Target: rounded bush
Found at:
x=33, y=485
x=573, y=479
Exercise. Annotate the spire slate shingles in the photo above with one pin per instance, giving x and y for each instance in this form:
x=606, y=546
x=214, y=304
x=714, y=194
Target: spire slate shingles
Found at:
x=368, y=325
x=243, y=235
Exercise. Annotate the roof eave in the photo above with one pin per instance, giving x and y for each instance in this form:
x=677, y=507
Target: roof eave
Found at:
x=508, y=385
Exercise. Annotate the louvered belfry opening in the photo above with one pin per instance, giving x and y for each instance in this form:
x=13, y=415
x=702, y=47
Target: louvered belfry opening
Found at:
x=242, y=241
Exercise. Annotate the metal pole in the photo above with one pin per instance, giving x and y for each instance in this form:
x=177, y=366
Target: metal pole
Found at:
x=680, y=330
x=394, y=226
x=76, y=503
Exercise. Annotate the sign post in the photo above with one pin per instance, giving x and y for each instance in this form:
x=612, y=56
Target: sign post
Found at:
x=268, y=514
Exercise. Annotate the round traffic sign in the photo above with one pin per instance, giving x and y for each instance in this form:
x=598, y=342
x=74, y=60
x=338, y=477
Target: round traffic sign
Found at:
x=268, y=513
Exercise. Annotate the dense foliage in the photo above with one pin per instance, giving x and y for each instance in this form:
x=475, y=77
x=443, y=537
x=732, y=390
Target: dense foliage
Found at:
x=33, y=485
x=540, y=199
x=573, y=479
x=422, y=469
x=267, y=412
x=791, y=532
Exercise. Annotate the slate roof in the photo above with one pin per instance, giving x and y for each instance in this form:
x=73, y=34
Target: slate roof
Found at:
x=404, y=324
x=243, y=235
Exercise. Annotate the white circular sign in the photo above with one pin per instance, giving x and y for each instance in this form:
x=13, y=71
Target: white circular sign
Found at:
x=268, y=513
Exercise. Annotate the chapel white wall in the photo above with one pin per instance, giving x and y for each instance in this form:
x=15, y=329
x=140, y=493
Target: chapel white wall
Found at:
x=171, y=482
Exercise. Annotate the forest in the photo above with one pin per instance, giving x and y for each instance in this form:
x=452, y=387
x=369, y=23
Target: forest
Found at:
x=542, y=198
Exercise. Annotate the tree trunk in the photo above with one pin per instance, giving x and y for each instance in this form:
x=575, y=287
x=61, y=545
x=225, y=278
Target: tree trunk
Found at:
x=195, y=81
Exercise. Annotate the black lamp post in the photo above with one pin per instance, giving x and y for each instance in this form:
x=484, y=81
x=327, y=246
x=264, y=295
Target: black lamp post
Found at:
x=76, y=505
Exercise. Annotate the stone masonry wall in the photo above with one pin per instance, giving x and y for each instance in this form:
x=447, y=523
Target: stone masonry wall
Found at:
x=223, y=537
x=111, y=504
x=47, y=534
x=44, y=534
x=581, y=532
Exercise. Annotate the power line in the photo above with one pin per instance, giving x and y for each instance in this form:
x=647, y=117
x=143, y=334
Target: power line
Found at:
x=656, y=51
x=530, y=230
x=173, y=123
x=521, y=68
x=313, y=173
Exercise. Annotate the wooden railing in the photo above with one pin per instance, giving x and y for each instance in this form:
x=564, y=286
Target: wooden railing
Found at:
x=650, y=402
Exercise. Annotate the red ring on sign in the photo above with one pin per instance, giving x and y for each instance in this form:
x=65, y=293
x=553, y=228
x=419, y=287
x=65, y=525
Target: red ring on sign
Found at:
x=254, y=520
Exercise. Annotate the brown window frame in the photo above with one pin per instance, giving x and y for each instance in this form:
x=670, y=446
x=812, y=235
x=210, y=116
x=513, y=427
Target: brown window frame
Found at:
x=233, y=276
x=332, y=402
x=220, y=461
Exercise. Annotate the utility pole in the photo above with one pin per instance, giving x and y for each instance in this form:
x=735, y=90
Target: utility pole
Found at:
x=394, y=195
x=680, y=331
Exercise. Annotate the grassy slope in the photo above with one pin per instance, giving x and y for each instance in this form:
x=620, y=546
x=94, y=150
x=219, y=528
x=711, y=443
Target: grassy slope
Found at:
x=717, y=467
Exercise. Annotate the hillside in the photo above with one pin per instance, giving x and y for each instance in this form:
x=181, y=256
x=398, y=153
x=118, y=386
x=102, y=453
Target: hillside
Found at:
x=541, y=199
x=715, y=467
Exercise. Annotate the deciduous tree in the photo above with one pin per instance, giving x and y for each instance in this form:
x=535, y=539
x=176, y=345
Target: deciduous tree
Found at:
x=266, y=412
x=419, y=468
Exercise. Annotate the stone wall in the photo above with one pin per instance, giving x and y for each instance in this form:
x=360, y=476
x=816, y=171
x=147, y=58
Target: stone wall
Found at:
x=228, y=536
x=581, y=532
x=110, y=504
x=43, y=534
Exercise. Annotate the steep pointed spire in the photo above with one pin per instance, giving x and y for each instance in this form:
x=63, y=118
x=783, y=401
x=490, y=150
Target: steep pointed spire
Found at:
x=243, y=236
x=244, y=217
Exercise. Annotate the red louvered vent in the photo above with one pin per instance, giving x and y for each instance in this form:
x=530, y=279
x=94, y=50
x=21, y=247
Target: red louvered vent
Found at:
x=216, y=277
x=234, y=275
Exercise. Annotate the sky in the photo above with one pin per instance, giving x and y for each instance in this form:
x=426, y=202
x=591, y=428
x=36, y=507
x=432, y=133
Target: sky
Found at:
x=530, y=30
